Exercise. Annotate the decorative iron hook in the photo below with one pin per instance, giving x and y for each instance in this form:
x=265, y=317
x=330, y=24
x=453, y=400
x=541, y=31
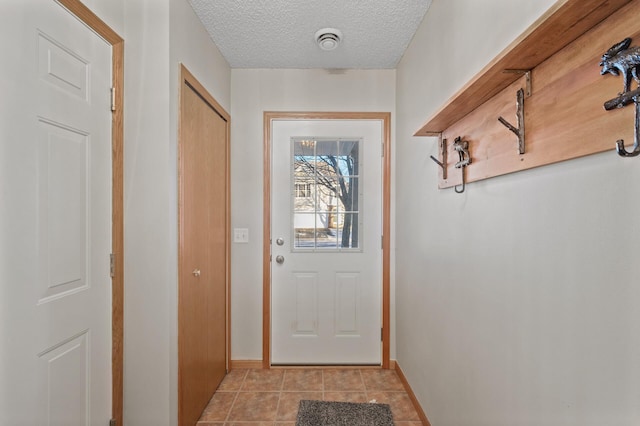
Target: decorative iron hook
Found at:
x=518, y=131
x=620, y=149
x=462, y=148
x=437, y=162
x=443, y=163
x=624, y=59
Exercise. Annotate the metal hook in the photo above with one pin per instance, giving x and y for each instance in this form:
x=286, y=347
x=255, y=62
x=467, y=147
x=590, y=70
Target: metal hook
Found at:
x=437, y=162
x=443, y=163
x=620, y=149
x=518, y=131
x=462, y=147
x=622, y=59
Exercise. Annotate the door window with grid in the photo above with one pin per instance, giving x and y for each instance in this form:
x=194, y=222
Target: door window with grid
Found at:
x=326, y=194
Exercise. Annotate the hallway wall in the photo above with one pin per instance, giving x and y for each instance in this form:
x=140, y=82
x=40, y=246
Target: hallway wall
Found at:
x=254, y=91
x=159, y=34
x=517, y=301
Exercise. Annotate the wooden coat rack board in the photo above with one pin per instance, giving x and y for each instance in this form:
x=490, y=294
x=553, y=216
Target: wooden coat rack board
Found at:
x=556, y=63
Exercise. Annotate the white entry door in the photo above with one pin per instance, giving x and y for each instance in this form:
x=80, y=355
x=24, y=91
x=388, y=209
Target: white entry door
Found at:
x=326, y=249
x=55, y=221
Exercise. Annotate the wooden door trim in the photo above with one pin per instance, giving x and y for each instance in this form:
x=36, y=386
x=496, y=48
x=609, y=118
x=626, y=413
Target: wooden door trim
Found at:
x=269, y=117
x=84, y=14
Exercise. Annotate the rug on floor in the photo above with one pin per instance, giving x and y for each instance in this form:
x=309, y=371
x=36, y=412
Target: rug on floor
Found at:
x=329, y=413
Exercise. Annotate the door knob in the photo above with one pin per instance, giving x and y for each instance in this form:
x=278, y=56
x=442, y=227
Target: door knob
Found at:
x=280, y=259
x=196, y=272
x=280, y=241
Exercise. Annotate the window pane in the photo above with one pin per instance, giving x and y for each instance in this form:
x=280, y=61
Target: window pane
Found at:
x=348, y=162
x=348, y=230
x=347, y=194
x=304, y=199
x=304, y=147
x=326, y=238
x=328, y=148
x=325, y=193
x=304, y=225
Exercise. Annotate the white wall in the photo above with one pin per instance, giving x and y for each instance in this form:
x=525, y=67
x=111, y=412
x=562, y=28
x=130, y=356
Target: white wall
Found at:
x=148, y=213
x=191, y=46
x=517, y=302
x=158, y=35
x=253, y=92
x=110, y=11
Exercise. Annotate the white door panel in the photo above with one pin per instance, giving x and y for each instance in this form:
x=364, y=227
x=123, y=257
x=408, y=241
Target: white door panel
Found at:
x=55, y=225
x=326, y=302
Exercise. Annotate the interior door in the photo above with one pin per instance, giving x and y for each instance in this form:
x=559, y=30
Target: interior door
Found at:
x=202, y=316
x=56, y=219
x=326, y=251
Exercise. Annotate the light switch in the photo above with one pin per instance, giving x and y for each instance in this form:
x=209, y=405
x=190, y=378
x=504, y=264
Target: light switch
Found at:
x=240, y=235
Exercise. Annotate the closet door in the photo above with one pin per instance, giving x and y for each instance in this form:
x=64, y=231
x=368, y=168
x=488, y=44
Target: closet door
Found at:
x=202, y=288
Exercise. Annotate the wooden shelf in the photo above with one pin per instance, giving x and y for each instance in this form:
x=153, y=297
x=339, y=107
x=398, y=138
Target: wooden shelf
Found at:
x=561, y=25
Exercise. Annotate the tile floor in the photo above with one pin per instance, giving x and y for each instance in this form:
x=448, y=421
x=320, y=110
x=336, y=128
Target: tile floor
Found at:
x=271, y=397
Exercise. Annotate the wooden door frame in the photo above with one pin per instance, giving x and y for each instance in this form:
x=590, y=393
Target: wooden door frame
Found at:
x=269, y=117
x=91, y=20
x=188, y=79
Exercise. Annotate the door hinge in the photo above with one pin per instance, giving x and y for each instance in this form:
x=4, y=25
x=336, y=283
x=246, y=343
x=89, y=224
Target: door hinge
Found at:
x=112, y=265
x=382, y=150
x=381, y=334
x=113, y=99
x=382, y=242
x=113, y=422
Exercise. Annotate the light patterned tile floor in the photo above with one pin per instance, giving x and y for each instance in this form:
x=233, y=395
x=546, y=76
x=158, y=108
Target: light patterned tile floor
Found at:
x=271, y=397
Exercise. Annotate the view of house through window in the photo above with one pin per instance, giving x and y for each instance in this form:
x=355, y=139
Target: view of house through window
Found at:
x=326, y=193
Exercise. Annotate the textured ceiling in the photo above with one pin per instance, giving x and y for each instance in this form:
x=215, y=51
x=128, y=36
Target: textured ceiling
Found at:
x=281, y=33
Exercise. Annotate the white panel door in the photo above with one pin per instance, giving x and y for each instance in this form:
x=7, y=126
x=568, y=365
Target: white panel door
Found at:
x=55, y=221
x=326, y=221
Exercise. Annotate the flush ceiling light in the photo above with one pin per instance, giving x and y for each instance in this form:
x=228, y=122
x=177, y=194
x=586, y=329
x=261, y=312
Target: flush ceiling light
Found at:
x=328, y=38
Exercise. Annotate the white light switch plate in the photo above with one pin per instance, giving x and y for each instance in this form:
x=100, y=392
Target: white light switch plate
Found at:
x=240, y=235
